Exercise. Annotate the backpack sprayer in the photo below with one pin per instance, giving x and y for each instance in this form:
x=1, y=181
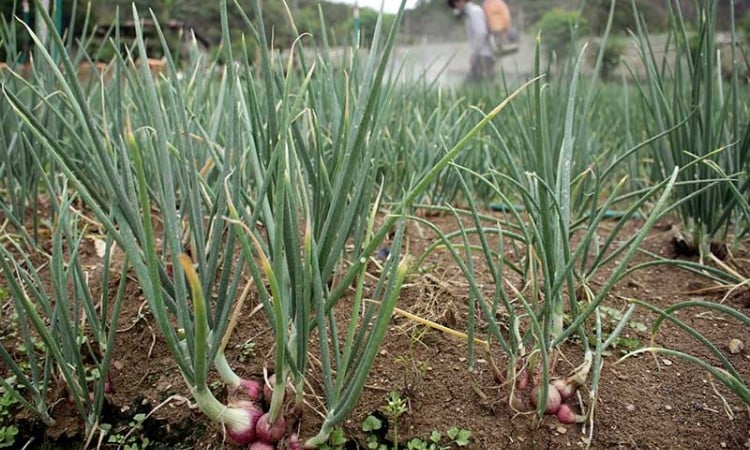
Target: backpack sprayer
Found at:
x=503, y=37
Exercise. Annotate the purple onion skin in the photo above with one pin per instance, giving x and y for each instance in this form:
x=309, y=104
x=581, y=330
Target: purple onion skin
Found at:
x=522, y=379
x=567, y=416
x=266, y=432
x=553, y=399
x=252, y=389
x=293, y=443
x=241, y=436
x=260, y=445
x=245, y=435
x=107, y=390
x=566, y=389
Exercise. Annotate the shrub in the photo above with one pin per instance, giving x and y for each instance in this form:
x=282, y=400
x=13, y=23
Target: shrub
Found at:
x=655, y=15
x=559, y=28
x=614, y=48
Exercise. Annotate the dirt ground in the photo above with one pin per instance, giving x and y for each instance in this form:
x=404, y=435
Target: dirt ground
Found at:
x=645, y=402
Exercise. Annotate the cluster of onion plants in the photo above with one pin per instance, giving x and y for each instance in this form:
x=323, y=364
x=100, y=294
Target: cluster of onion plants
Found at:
x=697, y=95
x=116, y=145
x=268, y=179
x=567, y=187
x=304, y=206
x=564, y=192
x=324, y=173
x=20, y=173
x=65, y=330
x=22, y=167
x=433, y=118
x=269, y=176
x=689, y=84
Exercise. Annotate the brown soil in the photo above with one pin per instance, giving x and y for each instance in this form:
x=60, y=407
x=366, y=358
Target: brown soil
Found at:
x=645, y=402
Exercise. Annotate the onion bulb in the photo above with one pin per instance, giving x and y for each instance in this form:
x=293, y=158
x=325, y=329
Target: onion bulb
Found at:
x=516, y=402
x=566, y=388
x=251, y=388
x=267, y=432
x=522, y=380
x=566, y=415
x=553, y=398
x=260, y=445
x=243, y=431
x=293, y=443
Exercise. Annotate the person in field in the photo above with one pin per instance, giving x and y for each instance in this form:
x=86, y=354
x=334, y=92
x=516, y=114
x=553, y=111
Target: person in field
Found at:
x=482, y=60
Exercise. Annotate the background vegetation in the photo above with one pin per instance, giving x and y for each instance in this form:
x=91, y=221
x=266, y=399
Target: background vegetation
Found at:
x=429, y=21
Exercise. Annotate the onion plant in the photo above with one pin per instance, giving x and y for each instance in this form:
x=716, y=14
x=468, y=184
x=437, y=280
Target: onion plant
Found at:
x=727, y=374
x=558, y=301
x=434, y=118
x=20, y=174
x=26, y=187
x=65, y=329
x=20, y=177
x=596, y=159
x=686, y=85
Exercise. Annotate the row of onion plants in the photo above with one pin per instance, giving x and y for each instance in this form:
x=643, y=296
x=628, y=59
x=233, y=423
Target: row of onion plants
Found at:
x=697, y=81
x=696, y=89
x=65, y=329
x=267, y=179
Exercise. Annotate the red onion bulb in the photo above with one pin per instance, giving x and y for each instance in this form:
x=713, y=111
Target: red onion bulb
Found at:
x=553, y=398
x=252, y=388
x=565, y=388
x=567, y=416
x=293, y=443
x=267, y=432
x=522, y=379
x=245, y=433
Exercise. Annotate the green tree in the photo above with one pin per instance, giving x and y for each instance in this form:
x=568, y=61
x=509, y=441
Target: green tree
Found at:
x=654, y=14
x=558, y=28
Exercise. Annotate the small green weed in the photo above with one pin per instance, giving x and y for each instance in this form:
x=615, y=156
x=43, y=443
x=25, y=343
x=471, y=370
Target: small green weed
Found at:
x=8, y=430
x=133, y=439
x=611, y=317
x=247, y=350
x=457, y=437
x=395, y=408
x=336, y=440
